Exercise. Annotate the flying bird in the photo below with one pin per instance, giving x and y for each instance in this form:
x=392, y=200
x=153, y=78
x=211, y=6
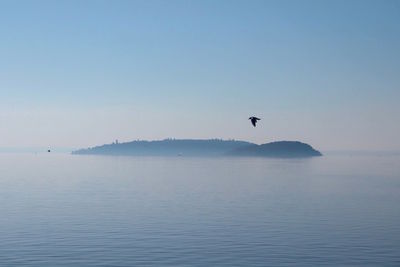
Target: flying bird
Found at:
x=254, y=120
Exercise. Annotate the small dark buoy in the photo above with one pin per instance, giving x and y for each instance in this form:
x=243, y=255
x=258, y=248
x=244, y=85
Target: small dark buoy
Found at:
x=48, y=151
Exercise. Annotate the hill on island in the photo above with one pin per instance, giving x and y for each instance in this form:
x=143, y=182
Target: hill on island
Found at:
x=281, y=149
x=196, y=147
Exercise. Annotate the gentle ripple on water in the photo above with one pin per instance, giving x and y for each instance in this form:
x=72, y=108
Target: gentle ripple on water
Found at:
x=64, y=210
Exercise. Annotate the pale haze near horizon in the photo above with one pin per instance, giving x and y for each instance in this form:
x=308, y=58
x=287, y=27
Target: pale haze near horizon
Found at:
x=83, y=73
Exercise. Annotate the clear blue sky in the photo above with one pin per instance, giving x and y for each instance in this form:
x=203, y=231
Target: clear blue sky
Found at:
x=81, y=73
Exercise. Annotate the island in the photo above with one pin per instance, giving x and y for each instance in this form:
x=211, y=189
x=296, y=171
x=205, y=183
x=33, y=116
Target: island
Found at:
x=200, y=147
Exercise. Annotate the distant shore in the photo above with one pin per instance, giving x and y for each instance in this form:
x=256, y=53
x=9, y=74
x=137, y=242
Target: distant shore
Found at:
x=200, y=147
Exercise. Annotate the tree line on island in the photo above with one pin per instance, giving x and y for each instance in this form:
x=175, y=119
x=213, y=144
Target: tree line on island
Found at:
x=199, y=147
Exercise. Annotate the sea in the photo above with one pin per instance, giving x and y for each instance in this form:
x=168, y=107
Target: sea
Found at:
x=58, y=209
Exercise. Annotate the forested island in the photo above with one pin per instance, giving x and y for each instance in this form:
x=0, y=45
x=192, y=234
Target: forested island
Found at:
x=198, y=147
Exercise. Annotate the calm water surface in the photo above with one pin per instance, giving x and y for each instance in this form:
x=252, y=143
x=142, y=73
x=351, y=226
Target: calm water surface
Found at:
x=65, y=210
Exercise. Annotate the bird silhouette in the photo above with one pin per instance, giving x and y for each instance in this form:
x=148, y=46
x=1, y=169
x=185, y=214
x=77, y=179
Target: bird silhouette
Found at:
x=254, y=120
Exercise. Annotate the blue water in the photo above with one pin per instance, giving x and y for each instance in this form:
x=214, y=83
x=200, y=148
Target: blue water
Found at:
x=65, y=210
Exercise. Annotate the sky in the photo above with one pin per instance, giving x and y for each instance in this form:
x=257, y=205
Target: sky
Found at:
x=83, y=73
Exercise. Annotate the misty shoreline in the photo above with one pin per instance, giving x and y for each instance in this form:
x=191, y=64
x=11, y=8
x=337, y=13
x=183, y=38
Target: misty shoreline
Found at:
x=200, y=147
